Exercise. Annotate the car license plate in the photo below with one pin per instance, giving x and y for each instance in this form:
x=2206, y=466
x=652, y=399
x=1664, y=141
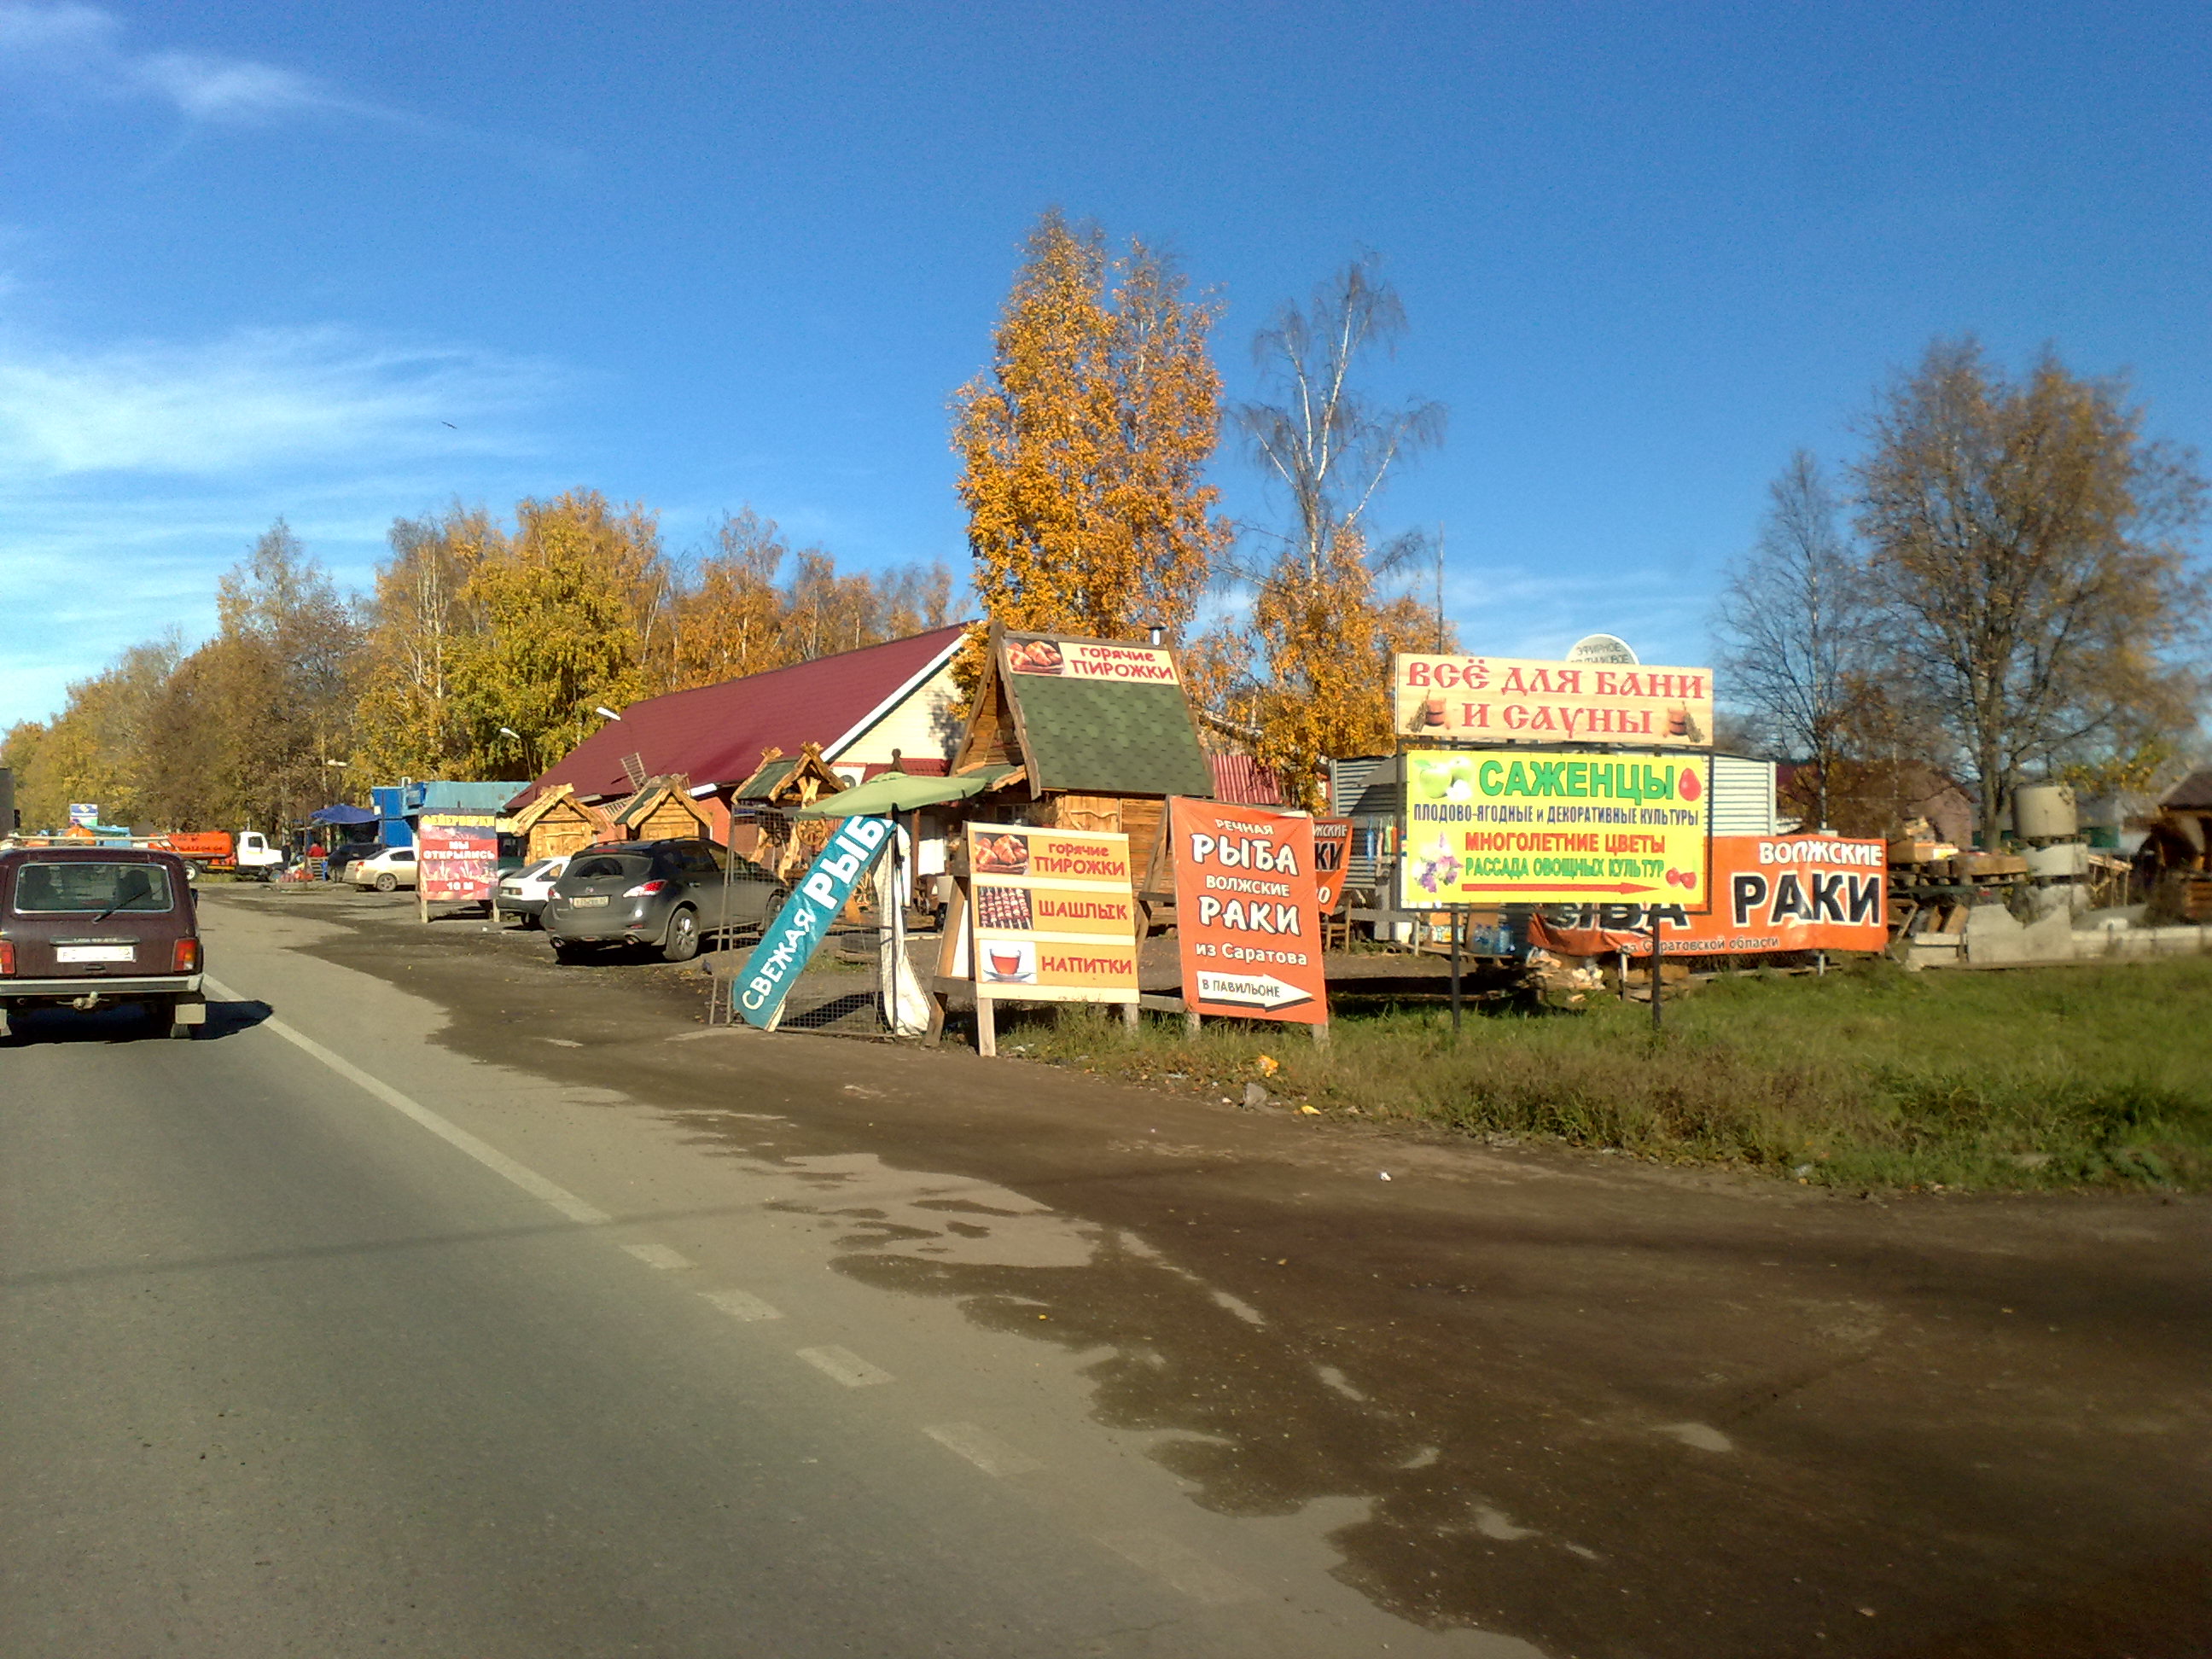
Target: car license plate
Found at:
x=95, y=953
x=587, y=903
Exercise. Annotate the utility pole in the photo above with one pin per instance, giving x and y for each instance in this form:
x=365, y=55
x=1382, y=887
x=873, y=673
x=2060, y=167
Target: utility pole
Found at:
x=1440, y=586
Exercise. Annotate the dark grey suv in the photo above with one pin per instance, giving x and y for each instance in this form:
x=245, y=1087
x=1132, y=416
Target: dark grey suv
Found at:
x=665, y=893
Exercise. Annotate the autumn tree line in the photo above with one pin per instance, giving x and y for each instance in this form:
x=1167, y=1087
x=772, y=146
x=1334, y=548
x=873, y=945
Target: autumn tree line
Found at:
x=485, y=647
x=2002, y=587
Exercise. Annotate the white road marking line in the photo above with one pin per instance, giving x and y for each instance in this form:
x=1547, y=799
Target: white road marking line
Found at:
x=846, y=1366
x=1496, y=1523
x=1703, y=1435
x=484, y=1153
x=1243, y=1310
x=981, y=1448
x=659, y=1255
x=1337, y=1380
x=1182, y=1567
x=741, y=1304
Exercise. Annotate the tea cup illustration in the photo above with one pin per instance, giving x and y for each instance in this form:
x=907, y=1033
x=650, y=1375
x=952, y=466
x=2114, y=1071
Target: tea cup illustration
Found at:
x=1010, y=961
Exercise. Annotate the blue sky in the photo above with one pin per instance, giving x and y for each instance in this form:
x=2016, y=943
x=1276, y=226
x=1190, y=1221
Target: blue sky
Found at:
x=254, y=258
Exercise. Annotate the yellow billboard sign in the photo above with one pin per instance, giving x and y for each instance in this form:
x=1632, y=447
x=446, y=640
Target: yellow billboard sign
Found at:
x=1053, y=914
x=1533, y=827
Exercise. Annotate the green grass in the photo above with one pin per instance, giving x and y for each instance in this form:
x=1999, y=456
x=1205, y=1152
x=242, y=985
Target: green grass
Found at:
x=1869, y=1076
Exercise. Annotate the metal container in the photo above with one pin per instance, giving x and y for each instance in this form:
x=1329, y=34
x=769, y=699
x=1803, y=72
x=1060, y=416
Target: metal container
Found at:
x=2044, y=811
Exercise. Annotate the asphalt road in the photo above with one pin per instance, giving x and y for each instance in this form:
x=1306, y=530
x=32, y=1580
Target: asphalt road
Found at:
x=296, y=1364
x=446, y=1301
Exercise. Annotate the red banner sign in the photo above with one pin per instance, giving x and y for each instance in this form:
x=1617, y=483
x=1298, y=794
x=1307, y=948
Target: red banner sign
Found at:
x=457, y=861
x=1769, y=893
x=1247, y=917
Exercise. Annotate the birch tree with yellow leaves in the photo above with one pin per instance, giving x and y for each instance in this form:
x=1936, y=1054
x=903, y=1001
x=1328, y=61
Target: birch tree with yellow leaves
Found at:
x=420, y=621
x=568, y=621
x=1319, y=638
x=1085, y=444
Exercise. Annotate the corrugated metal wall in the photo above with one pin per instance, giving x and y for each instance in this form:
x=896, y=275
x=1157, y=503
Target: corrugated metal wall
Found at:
x=1365, y=790
x=1743, y=796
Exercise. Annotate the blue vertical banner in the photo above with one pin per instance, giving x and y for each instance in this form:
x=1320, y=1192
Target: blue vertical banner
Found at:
x=791, y=940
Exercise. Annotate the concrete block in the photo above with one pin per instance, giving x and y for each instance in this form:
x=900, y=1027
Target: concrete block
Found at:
x=2066, y=860
x=1995, y=936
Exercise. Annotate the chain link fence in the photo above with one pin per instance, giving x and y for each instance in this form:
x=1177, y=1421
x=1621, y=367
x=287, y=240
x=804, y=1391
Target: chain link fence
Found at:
x=840, y=993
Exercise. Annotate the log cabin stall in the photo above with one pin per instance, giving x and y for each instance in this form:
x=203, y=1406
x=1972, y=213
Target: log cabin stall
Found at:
x=1081, y=734
x=705, y=761
x=2176, y=858
x=763, y=817
x=665, y=809
x=556, y=824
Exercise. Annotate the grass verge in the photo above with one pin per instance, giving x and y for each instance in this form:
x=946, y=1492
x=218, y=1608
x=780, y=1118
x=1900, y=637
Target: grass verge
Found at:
x=1870, y=1076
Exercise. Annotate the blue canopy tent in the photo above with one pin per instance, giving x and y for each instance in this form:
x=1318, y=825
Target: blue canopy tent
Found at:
x=343, y=815
x=347, y=838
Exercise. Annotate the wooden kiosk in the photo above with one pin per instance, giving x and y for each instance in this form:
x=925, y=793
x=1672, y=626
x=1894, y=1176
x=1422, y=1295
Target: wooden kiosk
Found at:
x=557, y=822
x=1089, y=737
x=663, y=809
x=764, y=823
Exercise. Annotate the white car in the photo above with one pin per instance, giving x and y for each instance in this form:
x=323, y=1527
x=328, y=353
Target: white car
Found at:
x=393, y=867
x=522, y=892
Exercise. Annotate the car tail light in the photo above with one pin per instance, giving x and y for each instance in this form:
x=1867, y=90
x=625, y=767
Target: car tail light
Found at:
x=184, y=957
x=7, y=957
x=647, y=889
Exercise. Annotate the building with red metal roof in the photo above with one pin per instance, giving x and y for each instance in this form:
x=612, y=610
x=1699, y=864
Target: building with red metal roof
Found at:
x=862, y=706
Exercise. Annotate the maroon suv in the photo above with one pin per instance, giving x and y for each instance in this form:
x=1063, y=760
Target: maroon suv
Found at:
x=85, y=926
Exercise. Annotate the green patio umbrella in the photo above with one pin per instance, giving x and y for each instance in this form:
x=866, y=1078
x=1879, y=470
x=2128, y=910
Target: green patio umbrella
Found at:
x=901, y=792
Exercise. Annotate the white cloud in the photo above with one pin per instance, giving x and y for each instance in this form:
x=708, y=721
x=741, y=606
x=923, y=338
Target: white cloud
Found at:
x=131, y=475
x=255, y=398
x=230, y=89
x=82, y=47
x=65, y=29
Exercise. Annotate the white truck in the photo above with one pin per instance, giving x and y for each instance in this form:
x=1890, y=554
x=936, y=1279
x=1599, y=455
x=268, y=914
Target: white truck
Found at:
x=248, y=853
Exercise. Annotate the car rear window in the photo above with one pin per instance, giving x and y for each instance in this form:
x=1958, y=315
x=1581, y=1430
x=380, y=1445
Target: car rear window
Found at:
x=86, y=888
x=601, y=866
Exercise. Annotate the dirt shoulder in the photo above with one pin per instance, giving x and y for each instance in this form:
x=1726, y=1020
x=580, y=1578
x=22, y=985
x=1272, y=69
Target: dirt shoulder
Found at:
x=1614, y=1409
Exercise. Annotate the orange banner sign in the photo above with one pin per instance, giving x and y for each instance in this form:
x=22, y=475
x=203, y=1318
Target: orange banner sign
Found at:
x=1247, y=917
x=1054, y=917
x=1770, y=893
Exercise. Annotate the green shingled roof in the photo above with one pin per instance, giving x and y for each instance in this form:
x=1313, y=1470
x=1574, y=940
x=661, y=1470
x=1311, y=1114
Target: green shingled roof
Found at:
x=763, y=784
x=1095, y=737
